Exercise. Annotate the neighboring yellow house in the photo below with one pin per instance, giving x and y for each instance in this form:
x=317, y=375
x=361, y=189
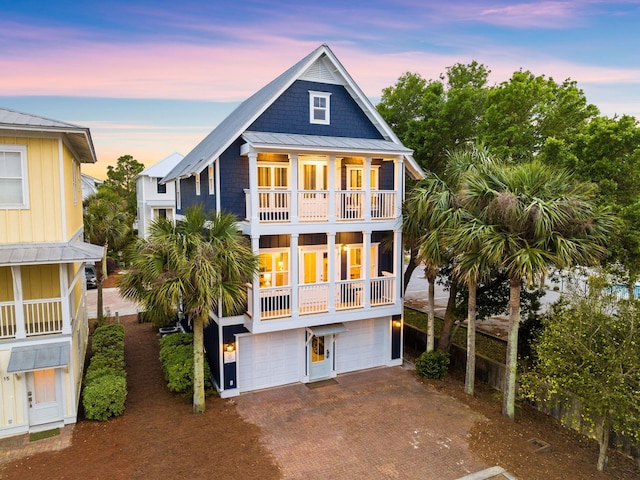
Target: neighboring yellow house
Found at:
x=43, y=319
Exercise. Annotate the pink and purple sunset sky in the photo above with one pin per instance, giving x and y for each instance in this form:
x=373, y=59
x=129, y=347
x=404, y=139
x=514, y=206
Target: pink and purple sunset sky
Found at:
x=153, y=77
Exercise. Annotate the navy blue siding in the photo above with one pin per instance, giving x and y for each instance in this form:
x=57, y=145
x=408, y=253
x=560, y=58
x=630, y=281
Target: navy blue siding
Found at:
x=386, y=176
x=212, y=349
x=230, y=369
x=234, y=179
x=188, y=195
x=396, y=339
x=290, y=114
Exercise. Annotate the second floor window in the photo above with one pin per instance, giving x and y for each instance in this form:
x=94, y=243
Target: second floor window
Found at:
x=274, y=268
x=13, y=177
x=320, y=108
x=161, y=187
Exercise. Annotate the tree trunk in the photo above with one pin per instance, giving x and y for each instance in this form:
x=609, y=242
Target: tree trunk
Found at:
x=470, y=376
x=509, y=399
x=198, y=366
x=444, y=341
x=602, y=431
x=431, y=312
x=411, y=266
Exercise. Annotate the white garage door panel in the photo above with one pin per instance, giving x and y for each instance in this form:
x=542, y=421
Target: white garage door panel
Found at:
x=268, y=360
x=362, y=346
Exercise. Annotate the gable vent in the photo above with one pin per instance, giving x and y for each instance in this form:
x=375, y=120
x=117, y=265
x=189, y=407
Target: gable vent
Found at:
x=319, y=72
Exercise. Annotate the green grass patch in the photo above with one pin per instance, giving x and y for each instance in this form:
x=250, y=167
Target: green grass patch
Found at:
x=486, y=345
x=33, y=437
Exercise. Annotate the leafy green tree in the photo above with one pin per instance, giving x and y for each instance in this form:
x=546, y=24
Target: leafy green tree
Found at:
x=194, y=266
x=106, y=224
x=532, y=216
x=590, y=349
x=121, y=179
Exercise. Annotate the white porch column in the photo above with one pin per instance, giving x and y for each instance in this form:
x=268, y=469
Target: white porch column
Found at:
x=294, y=274
x=257, y=313
x=216, y=164
x=331, y=205
x=18, y=302
x=64, y=297
x=366, y=264
x=332, y=257
x=253, y=189
x=293, y=162
x=398, y=266
x=367, y=189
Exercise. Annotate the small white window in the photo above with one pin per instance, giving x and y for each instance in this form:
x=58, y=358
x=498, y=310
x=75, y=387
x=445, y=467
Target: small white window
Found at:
x=197, y=184
x=210, y=174
x=320, y=107
x=178, y=196
x=14, y=192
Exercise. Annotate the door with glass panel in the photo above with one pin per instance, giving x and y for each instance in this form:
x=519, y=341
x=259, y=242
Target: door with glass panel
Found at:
x=313, y=198
x=274, y=196
x=44, y=395
x=314, y=289
x=320, y=357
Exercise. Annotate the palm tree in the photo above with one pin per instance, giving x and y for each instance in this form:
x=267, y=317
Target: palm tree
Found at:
x=192, y=267
x=533, y=216
x=106, y=223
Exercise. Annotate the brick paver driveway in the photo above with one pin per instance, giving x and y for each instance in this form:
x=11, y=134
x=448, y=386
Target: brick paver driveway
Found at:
x=377, y=424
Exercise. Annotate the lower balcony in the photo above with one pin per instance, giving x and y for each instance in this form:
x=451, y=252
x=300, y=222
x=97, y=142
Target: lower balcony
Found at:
x=41, y=317
x=275, y=302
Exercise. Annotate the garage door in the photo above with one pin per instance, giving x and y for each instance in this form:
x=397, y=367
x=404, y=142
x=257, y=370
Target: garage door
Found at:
x=270, y=359
x=364, y=345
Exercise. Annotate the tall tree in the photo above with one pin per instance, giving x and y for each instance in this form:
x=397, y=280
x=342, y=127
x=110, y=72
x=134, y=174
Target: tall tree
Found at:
x=589, y=350
x=193, y=266
x=533, y=216
x=106, y=224
x=121, y=179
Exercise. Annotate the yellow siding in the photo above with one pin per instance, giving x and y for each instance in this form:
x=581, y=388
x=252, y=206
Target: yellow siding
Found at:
x=6, y=285
x=11, y=395
x=40, y=281
x=42, y=221
x=73, y=193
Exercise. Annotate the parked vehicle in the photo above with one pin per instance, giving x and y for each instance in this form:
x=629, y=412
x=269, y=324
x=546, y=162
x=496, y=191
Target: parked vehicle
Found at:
x=90, y=276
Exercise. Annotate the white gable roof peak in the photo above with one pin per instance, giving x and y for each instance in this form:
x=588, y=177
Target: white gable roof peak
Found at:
x=164, y=166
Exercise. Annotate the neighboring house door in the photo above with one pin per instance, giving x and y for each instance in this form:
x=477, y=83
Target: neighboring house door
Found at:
x=44, y=395
x=320, y=357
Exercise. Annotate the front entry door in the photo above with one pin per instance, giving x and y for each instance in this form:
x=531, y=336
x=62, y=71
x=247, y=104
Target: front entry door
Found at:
x=44, y=395
x=320, y=357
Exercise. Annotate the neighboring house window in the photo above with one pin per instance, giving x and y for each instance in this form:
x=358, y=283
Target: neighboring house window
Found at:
x=319, y=107
x=178, y=199
x=161, y=187
x=197, y=184
x=210, y=173
x=274, y=268
x=162, y=213
x=13, y=177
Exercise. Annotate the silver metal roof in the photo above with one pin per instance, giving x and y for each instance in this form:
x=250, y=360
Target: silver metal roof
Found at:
x=79, y=138
x=164, y=166
x=38, y=357
x=43, y=253
x=248, y=111
x=285, y=141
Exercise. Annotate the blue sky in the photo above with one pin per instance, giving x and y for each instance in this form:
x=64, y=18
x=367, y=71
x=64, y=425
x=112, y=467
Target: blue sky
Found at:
x=153, y=77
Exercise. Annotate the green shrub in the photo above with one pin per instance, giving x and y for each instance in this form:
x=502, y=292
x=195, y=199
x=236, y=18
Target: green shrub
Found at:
x=111, y=359
x=176, y=339
x=94, y=372
x=107, y=338
x=176, y=359
x=104, y=397
x=433, y=364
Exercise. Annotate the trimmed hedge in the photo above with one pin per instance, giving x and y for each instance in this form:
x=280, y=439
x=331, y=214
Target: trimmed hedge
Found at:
x=176, y=359
x=105, y=382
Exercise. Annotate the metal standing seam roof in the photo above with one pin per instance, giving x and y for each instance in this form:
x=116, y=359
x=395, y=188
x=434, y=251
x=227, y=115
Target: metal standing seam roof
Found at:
x=37, y=254
x=241, y=118
x=161, y=168
x=79, y=137
x=38, y=357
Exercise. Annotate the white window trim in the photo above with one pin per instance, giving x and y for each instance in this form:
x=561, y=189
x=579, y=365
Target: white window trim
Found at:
x=22, y=150
x=210, y=173
x=312, y=96
x=273, y=271
x=178, y=196
x=272, y=166
x=197, y=175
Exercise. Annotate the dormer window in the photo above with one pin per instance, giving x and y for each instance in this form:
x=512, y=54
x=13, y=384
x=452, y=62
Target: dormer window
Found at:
x=319, y=107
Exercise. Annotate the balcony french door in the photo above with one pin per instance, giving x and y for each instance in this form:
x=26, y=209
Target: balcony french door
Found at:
x=313, y=197
x=274, y=197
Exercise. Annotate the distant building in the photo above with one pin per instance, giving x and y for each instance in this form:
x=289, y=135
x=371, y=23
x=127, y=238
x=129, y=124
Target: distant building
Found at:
x=316, y=177
x=89, y=185
x=154, y=198
x=43, y=317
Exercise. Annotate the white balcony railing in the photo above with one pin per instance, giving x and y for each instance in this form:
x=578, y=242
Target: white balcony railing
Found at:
x=7, y=320
x=382, y=290
x=349, y=205
x=349, y=294
x=313, y=206
x=43, y=316
x=275, y=302
x=313, y=298
x=274, y=206
x=383, y=205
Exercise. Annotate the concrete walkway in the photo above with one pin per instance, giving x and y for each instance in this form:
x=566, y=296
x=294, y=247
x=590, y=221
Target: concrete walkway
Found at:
x=112, y=301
